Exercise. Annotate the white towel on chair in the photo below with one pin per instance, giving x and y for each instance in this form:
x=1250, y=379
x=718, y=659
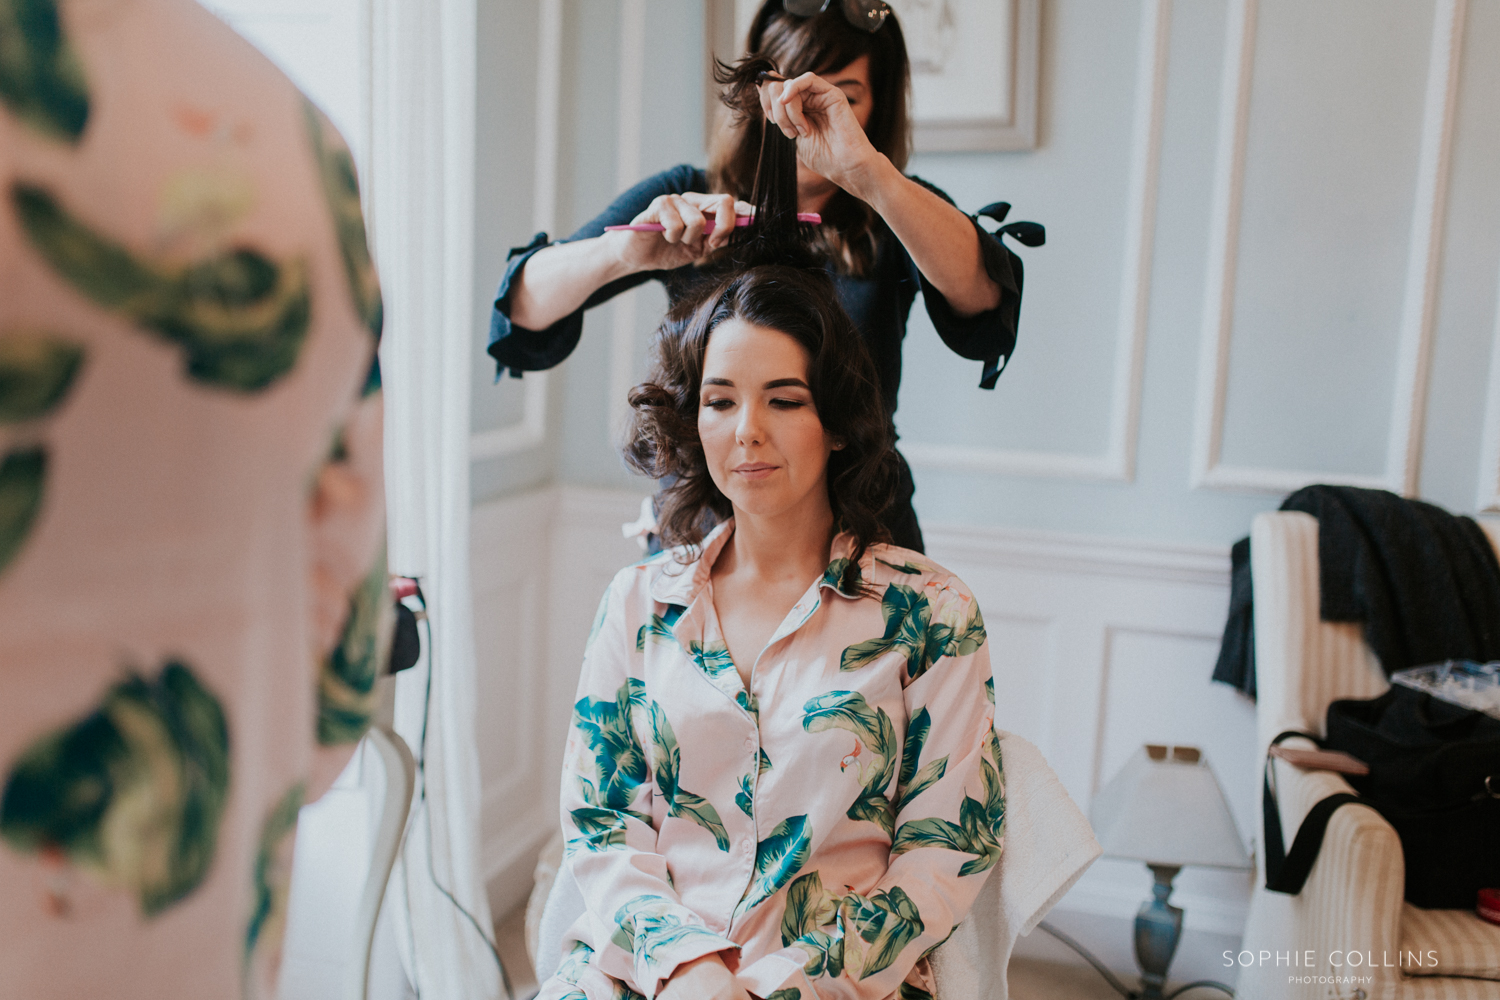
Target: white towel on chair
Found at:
x=1048, y=846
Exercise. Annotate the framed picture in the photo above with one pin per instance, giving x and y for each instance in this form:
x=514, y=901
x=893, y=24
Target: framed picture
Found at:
x=974, y=67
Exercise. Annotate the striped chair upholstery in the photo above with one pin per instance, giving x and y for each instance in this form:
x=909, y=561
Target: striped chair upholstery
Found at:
x=1353, y=901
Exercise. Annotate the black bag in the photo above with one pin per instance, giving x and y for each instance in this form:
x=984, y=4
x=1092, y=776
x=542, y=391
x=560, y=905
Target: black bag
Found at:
x=1435, y=777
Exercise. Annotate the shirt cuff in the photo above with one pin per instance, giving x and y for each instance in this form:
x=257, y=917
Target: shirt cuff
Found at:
x=778, y=976
x=516, y=348
x=660, y=952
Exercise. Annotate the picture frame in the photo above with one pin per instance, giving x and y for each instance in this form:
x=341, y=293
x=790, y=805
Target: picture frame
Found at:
x=975, y=69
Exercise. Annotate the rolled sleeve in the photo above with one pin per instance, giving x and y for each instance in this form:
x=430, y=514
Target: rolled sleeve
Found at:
x=989, y=336
x=514, y=347
x=517, y=349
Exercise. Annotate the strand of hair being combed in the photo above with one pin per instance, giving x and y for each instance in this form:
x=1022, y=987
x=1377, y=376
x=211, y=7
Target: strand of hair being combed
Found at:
x=776, y=236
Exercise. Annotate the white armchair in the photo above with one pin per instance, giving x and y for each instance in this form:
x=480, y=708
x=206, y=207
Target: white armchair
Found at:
x=1352, y=904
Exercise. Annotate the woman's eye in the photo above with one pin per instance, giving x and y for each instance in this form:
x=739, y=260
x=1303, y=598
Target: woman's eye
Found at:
x=718, y=404
x=787, y=404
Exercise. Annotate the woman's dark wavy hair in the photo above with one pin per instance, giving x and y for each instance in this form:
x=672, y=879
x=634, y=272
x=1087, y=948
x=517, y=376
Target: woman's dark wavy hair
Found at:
x=824, y=43
x=770, y=277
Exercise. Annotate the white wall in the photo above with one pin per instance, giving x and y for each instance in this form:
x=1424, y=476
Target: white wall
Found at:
x=1314, y=182
x=1274, y=258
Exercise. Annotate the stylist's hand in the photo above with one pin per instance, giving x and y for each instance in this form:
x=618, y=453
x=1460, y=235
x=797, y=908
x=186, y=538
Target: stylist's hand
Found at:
x=684, y=218
x=706, y=978
x=829, y=138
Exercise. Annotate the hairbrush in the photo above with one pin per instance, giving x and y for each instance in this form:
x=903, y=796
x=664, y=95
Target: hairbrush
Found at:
x=708, y=224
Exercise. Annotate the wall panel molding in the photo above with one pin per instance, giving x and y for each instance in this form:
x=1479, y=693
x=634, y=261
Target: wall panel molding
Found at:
x=1117, y=464
x=517, y=850
x=531, y=430
x=631, y=119
x=509, y=539
x=1055, y=552
x=1419, y=307
x=1093, y=593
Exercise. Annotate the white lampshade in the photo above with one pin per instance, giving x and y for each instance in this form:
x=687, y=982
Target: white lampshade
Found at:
x=1165, y=807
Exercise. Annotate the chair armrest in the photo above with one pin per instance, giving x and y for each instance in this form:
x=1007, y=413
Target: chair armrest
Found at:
x=1353, y=897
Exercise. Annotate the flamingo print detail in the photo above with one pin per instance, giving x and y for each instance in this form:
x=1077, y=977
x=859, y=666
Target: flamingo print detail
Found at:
x=853, y=758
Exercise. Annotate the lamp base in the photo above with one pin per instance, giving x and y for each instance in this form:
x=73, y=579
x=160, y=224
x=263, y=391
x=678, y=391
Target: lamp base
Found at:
x=1158, y=925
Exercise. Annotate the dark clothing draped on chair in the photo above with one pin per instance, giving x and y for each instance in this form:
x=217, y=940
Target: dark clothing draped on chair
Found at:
x=1424, y=583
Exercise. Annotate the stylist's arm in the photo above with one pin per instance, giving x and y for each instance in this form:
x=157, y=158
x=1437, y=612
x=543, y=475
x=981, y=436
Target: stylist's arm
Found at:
x=559, y=279
x=831, y=142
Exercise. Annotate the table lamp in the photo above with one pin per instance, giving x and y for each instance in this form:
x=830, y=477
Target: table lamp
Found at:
x=1165, y=808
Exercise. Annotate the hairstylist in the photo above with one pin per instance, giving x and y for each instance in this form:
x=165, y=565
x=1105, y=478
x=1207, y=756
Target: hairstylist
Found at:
x=884, y=235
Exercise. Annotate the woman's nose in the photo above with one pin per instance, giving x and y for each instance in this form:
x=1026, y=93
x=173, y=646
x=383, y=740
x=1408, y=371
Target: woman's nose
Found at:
x=750, y=429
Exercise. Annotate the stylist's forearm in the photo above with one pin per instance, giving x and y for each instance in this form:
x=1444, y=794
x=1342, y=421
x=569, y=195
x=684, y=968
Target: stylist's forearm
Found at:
x=940, y=238
x=560, y=278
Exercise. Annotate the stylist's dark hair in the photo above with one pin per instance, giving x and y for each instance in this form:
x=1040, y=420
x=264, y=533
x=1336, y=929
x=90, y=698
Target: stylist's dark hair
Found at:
x=824, y=43
x=801, y=303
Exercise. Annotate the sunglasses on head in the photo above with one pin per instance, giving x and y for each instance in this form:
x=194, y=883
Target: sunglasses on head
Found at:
x=866, y=15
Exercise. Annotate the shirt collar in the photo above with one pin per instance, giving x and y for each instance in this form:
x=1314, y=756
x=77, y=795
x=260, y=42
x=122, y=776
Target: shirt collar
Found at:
x=679, y=583
x=841, y=577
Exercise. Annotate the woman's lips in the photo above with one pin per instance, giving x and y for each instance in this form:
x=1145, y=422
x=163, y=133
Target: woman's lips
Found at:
x=754, y=470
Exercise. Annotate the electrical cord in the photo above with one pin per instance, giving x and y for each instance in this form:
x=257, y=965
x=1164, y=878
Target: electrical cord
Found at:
x=1109, y=977
x=1114, y=980
x=422, y=804
x=1209, y=983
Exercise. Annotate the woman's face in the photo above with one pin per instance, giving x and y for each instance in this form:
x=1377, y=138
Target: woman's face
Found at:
x=765, y=446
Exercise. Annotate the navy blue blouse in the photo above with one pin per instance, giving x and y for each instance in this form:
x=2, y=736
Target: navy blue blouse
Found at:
x=878, y=304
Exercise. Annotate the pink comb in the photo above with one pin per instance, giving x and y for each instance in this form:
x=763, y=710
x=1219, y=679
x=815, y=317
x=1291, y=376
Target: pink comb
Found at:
x=708, y=224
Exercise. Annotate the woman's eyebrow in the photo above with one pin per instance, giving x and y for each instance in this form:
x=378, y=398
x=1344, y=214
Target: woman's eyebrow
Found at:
x=781, y=382
x=718, y=381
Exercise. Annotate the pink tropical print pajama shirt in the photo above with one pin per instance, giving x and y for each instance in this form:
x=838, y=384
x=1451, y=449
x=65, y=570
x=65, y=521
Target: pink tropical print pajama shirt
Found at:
x=824, y=830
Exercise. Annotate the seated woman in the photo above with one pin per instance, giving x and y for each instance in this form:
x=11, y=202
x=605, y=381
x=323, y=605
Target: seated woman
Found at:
x=782, y=778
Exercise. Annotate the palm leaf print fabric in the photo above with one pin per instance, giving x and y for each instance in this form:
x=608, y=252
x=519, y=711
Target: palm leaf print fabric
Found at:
x=833, y=873
x=346, y=682
x=272, y=879
x=680, y=803
x=981, y=820
x=193, y=600
x=873, y=757
x=861, y=934
x=41, y=78
x=238, y=316
x=23, y=476
x=777, y=859
x=916, y=778
x=618, y=768
x=132, y=793
x=651, y=927
x=36, y=374
x=341, y=189
x=911, y=630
